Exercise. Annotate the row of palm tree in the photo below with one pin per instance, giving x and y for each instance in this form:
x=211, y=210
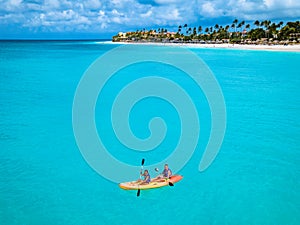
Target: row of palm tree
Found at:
x=237, y=31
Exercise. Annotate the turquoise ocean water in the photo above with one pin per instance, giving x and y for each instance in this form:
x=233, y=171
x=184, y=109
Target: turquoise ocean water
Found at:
x=255, y=178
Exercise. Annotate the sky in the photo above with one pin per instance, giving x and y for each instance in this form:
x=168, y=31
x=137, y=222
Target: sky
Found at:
x=90, y=19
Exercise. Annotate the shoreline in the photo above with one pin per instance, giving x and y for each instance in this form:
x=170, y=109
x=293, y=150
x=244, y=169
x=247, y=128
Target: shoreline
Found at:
x=281, y=48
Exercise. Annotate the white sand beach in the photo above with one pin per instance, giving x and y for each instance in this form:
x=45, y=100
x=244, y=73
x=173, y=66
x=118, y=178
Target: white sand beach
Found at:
x=289, y=48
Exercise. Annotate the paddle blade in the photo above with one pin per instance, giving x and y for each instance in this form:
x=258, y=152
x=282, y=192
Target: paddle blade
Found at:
x=171, y=184
x=143, y=161
x=138, y=192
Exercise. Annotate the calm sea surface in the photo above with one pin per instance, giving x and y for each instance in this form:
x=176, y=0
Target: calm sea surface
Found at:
x=44, y=179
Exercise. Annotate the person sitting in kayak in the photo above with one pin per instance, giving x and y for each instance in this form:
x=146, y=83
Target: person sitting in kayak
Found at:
x=146, y=176
x=167, y=173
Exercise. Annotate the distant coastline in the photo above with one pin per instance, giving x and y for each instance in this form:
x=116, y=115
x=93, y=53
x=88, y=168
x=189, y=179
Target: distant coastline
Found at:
x=283, y=48
x=265, y=33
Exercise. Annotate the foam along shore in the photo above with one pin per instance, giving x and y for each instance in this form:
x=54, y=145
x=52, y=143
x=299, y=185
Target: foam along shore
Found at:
x=289, y=48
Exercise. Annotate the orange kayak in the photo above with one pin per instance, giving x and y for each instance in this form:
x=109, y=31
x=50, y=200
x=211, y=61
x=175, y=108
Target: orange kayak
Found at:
x=155, y=183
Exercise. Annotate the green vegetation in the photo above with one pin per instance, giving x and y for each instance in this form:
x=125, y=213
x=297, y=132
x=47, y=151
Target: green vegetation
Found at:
x=263, y=32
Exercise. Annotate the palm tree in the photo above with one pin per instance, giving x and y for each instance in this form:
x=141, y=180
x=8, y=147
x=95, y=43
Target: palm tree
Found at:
x=226, y=29
x=179, y=28
x=280, y=24
x=235, y=22
x=266, y=23
x=199, y=29
x=273, y=29
x=185, y=26
x=233, y=26
x=257, y=23
x=217, y=26
x=241, y=24
x=261, y=23
x=194, y=31
x=206, y=30
x=247, y=26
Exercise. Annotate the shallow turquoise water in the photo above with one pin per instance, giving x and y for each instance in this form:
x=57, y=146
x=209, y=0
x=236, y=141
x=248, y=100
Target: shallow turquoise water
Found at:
x=255, y=179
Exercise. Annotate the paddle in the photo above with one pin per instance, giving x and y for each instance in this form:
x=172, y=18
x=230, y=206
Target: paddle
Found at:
x=170, y=183
x=139, y=190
